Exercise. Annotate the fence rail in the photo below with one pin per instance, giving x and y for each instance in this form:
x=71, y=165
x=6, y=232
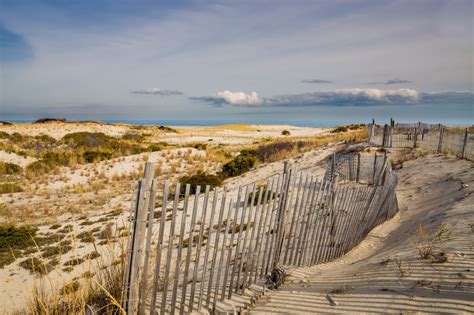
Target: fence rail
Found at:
x=200, y=247
x=433, y=137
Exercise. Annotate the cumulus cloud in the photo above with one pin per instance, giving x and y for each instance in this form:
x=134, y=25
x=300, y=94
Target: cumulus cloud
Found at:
x=347, y=97
x=339, y=97
x=157, y=91
x=230, y=98
x=317, y=81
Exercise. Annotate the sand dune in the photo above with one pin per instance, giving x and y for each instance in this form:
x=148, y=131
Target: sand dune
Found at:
x=385, y=273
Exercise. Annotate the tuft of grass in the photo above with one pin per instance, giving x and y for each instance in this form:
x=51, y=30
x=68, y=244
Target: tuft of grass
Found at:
x=285, y=133
x=430, y=245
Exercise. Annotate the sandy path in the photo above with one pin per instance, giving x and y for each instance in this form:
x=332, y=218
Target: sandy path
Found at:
x=384, y=273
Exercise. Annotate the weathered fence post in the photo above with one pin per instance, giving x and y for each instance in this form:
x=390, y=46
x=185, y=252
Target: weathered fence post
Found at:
x=392, y=125
x=440, y=143
x=375, y=167
x=280, y=235
x=136, y=259
x=333, y=167
x=415, y=137
x=386, y=135
x=358, y=167
x=464, y=144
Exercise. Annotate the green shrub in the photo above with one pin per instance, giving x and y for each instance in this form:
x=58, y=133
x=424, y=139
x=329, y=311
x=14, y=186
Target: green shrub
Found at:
x=9, y=168
x=156, y=146
x=339, y=129
x=95, y=156
x=199, y=179
x=8, y=188
x=45, y=138
x=16, y=137
x=240, y=164
x=86, y=139
x=4, y=135
x=200, y=146
x=16, y=237
x=285, y=133
x=167, y=129
x=135, y=136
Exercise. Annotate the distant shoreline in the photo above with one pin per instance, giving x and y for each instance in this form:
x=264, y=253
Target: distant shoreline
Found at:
x=204, y=123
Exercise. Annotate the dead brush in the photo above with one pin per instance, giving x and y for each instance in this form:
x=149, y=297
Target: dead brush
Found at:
x=430, y=245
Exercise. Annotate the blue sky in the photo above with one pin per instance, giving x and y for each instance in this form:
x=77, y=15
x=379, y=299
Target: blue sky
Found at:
x=234, y=60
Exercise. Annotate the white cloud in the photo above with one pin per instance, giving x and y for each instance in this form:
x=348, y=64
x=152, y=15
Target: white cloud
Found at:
x=157, y=91
x=238, y=98
x=410, y=95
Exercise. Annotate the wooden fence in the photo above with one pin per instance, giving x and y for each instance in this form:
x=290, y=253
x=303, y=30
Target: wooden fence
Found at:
x=433, y=137
x=197, y=247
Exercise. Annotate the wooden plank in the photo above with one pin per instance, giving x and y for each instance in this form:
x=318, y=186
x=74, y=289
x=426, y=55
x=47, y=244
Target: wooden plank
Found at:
x=306, y=221
x=293, y=219
x=304, y=214
x=258, y=243
x=299, y=206
x=274, y=227
x=202, y=226
x=268, y=234
x=151, y=219
x=208, y=246
x=251, y=250
x=319, y=216
x=237, y=246
x=216, y=243
x=221, y=260
x=233, y=222
x=246, y=237
x=136, y=267
x=190, y=248
x=180, y=249
x=129, y=250
x=159, y=247
x=169, y=251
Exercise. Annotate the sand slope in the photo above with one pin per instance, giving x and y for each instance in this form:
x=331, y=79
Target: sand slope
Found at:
x=385, y=273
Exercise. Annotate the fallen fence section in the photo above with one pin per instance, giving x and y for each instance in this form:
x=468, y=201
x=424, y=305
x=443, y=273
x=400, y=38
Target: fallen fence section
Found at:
x=433, y=137
x=193, y=248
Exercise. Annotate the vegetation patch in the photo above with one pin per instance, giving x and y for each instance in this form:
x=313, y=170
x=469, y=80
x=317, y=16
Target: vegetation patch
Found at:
x=242, y=163
x=167, y=129
x=9, y=168
x=16, y=237
x=199, y=179
x=36, y=265
x=9, y=188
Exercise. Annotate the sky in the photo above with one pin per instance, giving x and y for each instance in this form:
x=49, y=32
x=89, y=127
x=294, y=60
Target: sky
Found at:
x=237, y=60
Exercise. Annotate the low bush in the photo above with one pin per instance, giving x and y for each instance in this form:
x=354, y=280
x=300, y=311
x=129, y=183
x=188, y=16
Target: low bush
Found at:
x=96, y=156
x=86, y=139
x=45, y=138
x=167, y=129
x=156, y=146
x=199, y=179
x=285, y=133
x=9, y=188
x=47, y=120
x=16, y=237
x=9, y=168
x=240, y=164
x=200, y=146
x=339, y=129
x=134, y=136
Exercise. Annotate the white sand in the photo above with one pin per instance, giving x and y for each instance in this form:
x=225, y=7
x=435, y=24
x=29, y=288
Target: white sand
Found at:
x=433, y=190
